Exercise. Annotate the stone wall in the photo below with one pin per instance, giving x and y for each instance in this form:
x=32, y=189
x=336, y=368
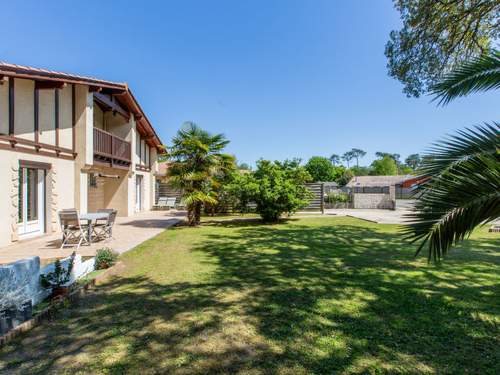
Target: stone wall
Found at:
x=380, y=201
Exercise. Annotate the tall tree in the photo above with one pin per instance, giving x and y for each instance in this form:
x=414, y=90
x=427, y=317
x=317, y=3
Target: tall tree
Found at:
x=436, y=37
x=196, y=160
x=413, y=161
x=347, y=157
x=462, y=189
x=335, y=159
x=357, y=153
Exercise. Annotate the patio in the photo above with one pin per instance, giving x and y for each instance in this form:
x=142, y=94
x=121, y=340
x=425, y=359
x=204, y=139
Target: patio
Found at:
x=128, y=232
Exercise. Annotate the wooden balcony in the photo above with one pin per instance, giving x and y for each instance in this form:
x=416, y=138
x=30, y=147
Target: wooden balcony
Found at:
x=111, y=151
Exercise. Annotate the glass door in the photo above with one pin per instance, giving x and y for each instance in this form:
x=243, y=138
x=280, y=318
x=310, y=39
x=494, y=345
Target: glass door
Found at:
x=31, y=201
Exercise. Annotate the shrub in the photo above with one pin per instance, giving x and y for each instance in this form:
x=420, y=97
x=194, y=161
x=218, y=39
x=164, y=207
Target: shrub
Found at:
x=278, y=188
x=58, y=277
x=334, y=197
x=242, y=189
x=105, y=258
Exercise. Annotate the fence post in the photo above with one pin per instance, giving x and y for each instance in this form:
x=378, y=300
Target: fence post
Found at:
x=322, y=198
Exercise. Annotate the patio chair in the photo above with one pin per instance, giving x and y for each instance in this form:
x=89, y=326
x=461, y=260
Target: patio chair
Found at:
x=170, y=202
x=162, y=203
x=72, y=229
x=105, y=229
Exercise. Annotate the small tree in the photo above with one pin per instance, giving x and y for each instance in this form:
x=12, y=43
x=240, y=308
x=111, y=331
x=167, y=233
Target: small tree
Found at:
x=345, y=177
x=278, y=188
x=196, y=159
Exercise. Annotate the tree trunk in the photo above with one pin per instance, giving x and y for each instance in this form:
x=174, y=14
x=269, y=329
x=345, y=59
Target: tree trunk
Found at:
x=197, y=214
x=191, y=215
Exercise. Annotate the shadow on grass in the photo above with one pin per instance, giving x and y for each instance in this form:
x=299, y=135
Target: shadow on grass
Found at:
x=292, y=298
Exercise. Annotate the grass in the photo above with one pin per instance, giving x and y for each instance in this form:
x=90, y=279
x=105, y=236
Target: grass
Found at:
x=315, y=295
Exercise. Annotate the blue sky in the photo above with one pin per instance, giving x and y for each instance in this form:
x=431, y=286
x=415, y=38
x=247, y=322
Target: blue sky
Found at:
x=281, y=79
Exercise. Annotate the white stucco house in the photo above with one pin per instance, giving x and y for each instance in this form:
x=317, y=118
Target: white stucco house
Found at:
x=68, y=141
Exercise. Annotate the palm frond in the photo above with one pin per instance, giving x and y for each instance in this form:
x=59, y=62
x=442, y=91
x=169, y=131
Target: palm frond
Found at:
x=478, y=74
x=462, y=190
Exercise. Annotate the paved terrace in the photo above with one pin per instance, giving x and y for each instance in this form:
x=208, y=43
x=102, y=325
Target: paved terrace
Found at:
x=128, y=232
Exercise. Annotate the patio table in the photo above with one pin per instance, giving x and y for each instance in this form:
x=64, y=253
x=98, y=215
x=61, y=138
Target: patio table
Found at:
x=91, y=218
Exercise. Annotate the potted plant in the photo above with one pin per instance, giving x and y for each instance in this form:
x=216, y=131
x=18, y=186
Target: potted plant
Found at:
x=105, y=258
x=57, y=279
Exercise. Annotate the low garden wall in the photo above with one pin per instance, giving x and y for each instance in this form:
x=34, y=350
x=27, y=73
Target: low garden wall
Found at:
x=367, y=200
x=20, y=281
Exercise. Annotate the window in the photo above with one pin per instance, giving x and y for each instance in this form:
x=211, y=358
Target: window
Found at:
x=93, y=180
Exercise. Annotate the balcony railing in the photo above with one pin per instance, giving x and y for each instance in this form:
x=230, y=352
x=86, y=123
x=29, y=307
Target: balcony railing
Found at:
x=110, y=149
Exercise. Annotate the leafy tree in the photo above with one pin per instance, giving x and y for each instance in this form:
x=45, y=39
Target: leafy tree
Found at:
x=405, y=169
x=278, y=188
x=321, y=169
x=382, y=155
x=413, y=161
x=361, y=171
x=335, y=159
x=347, y=157
x=436, y=37
x=385, y=166
x=346, y=176
x=357, y=153
x=242, y=189
x=462, y=189
x=244, y=167
x=196, y=161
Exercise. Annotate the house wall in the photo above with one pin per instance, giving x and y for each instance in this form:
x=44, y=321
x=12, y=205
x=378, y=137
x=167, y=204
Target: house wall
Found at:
x=67, y=180
x=47, y=118
x=24, y=112
x=4, y=108
x=84, y=143
x=59, y=184
x=65, y=117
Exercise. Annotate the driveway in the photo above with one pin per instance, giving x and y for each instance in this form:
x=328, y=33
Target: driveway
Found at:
x=403, y=207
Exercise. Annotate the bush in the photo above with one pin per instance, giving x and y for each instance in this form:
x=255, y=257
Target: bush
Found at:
x=58, y=277
x=277, y=188
x=333, y=197
x=105, y=258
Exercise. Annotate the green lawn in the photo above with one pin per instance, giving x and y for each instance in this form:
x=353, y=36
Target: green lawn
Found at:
x=315, y=295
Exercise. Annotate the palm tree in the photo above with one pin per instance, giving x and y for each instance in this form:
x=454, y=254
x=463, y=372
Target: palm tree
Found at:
x=196, y=159
x=462, y=189
x=335, y=159
x=358, y=153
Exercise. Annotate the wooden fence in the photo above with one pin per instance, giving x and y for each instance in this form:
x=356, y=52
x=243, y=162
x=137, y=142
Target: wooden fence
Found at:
x=317, y=203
